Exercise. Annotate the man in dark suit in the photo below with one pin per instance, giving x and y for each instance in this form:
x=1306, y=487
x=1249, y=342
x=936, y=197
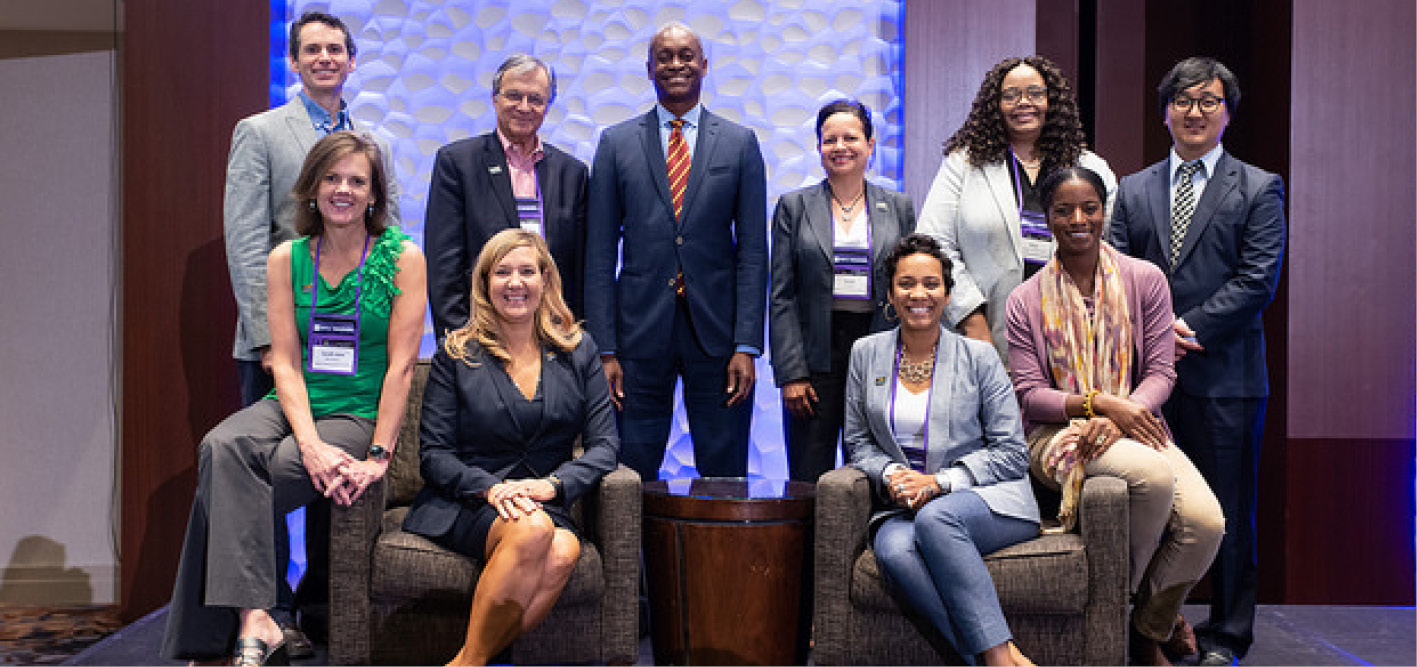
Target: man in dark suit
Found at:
x=684, y=190
x=504, y=179
x=1216, y=226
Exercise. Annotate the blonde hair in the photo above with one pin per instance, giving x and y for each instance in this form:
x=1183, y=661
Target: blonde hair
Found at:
x=554, y=323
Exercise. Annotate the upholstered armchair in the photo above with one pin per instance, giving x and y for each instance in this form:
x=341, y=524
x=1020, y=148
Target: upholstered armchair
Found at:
x=1065, y=594
x=397, y=598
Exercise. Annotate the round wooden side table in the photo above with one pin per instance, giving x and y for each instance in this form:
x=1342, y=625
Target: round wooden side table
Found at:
x=728, y=563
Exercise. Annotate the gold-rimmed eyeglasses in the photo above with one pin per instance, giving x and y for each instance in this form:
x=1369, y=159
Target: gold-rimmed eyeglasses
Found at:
x=516, y=97
x=1035, y=94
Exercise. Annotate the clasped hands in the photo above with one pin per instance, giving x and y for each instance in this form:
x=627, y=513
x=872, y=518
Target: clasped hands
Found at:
x=517, y=498
x=911, y=489
x=337, y=475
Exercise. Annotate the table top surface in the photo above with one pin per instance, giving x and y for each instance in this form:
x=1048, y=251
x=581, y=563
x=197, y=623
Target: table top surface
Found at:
x=731, y=488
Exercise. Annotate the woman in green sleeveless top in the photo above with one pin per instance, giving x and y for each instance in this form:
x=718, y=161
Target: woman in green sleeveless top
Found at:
x=345, y=310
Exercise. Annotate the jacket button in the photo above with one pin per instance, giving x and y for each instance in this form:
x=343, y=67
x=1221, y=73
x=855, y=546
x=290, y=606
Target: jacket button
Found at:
x=671, y=282
x=679, y=240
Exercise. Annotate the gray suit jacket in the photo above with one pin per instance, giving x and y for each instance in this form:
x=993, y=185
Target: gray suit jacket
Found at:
x=974, y=214
x=974, y=420
x=267, y=151
x=800, y=301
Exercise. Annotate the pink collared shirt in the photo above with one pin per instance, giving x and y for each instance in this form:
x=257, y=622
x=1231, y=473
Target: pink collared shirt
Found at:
x=521, y=167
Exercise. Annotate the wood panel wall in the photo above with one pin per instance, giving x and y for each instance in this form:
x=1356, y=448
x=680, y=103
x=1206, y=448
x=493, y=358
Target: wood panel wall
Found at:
x=191, y=69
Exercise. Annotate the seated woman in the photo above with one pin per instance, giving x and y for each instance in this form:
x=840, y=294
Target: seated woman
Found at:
x=931, y=420
x=1091, y=351
x=337, y=390
x=507, y=396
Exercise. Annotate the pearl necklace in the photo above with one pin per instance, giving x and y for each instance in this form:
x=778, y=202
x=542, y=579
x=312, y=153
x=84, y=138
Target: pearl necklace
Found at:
x=915, y=372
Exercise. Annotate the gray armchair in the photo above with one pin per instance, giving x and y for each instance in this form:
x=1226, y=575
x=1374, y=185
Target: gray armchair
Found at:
x=397, y=598
x=1065, y=595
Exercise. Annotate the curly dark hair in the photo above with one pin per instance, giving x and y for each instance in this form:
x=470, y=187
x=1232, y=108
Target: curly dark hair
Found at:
x=984, y=135
x=919, y=244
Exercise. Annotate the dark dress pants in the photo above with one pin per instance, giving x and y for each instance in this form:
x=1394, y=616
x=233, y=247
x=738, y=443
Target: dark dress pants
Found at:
x=256, y=382
x=812, y=441
x=720, y=433
x=1222, y=437
x=249, y=475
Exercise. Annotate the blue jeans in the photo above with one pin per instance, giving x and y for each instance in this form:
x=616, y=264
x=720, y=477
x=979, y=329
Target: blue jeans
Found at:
x=933, y=559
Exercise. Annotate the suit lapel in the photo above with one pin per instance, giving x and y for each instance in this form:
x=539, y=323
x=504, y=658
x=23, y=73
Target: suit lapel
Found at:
x=551, y=376
x=546, y=187
x=302, y=129
x=817, y=211
x=881, y=385
x=1159, y=200
x=654, y=157
x=941, y=401
x=703, y=154
x=494, y=161
x=1217, y=187
x=996, y=174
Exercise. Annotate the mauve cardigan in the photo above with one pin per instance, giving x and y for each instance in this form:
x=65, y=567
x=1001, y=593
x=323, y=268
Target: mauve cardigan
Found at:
x=1153, y=370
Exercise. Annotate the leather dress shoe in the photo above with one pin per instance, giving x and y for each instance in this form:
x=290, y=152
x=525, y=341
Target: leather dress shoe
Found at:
x=1218, y=656
x=296, y=643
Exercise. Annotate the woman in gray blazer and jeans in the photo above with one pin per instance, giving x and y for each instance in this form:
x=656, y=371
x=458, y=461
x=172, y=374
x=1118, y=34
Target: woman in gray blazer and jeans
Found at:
x=932, y=421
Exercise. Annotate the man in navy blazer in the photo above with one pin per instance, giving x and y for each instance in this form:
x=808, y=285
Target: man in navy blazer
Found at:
x=1223, y=264
x=500, y=180
x=690, y=295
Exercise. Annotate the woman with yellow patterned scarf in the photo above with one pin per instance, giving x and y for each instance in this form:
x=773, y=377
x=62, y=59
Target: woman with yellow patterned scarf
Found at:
x=1091, y=355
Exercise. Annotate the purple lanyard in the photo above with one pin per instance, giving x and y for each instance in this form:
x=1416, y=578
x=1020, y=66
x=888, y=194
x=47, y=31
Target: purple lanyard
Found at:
x=1018, y=182
x=358, y=284
x=895, y=380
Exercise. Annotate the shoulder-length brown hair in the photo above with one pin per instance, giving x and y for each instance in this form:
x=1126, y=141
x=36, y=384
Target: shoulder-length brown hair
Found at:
x=554, y=326
x=985, y=137
x=334, y=147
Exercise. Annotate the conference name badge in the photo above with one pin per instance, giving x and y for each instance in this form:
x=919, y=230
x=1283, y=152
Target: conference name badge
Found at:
x=334, y=344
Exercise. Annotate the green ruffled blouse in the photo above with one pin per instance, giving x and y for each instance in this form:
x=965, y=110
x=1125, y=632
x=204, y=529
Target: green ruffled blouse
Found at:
x=356, y=394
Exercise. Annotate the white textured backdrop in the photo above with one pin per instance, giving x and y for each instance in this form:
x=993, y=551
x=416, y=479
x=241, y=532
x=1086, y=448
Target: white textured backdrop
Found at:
x=424, y=74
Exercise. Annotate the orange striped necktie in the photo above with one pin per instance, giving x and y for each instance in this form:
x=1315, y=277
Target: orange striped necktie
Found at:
x=678, y=163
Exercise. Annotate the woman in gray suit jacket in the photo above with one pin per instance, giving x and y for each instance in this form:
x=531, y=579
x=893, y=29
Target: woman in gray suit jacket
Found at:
x=983, y=206
x=507, y=396
x=932, y=421
x=827, y=287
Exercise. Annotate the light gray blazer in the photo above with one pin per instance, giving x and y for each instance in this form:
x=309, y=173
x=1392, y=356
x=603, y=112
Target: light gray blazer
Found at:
x=972, y=211
x=974, y=420
x=267, y=152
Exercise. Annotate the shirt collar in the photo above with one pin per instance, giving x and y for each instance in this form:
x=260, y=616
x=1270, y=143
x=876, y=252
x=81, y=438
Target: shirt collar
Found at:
x=514, y=151
x=322, y=120
x=1208, y=160
x=691, y=118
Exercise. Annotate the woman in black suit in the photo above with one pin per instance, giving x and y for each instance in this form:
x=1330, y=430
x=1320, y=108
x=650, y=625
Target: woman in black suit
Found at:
x=506, y=398
x=827, y=287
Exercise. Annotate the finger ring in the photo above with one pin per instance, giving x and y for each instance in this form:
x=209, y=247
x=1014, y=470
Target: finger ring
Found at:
x=900, y=488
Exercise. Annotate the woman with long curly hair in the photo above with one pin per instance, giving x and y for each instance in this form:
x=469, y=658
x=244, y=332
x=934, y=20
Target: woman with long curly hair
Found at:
x=507, y=396
x=983, y=206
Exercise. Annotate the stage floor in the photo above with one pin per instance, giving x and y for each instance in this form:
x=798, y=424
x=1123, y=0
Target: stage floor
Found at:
x=1284, y=635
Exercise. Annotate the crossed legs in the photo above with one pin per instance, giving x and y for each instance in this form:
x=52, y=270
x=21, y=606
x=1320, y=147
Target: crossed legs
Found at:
x=529, y=561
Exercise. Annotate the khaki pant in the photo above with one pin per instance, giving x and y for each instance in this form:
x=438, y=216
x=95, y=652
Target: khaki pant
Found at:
x=1175, y=523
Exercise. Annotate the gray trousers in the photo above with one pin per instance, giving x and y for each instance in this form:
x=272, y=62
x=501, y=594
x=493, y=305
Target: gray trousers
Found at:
x=249, y=475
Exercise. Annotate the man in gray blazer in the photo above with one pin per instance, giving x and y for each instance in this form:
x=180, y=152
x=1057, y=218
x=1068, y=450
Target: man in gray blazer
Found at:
x=267, y=151
x=690, y=296
x=1215, y=225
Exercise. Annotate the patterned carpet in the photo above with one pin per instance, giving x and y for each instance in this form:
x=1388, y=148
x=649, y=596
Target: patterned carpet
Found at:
x=51, y=635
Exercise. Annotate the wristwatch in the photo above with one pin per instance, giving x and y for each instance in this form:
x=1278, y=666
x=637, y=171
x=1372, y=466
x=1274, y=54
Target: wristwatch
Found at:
x=379, y=453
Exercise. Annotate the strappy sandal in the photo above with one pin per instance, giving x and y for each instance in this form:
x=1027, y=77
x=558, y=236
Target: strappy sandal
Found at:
x=252, y=652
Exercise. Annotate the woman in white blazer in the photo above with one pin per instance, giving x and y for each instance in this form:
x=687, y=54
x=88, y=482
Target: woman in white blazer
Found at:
x=983, y=207
x=932, y=421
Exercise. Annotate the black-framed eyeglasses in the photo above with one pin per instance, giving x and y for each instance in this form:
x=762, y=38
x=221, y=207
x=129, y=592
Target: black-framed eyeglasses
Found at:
x=1208, y=104
x=516, y=97
x=1035, y=94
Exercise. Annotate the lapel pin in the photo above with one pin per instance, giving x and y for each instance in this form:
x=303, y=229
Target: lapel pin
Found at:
x=495, y=169
x=881, y=206
x=880, y=381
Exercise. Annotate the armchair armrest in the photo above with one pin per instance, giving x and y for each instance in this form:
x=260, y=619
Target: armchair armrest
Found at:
x=1102, y=521
x=353, y=531
x=616, y=511
x=843, y=510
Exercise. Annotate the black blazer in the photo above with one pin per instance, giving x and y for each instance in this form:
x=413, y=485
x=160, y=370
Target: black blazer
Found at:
x=1226, y=273
x=469, y=442
x=799, y=315
x=470, y=199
